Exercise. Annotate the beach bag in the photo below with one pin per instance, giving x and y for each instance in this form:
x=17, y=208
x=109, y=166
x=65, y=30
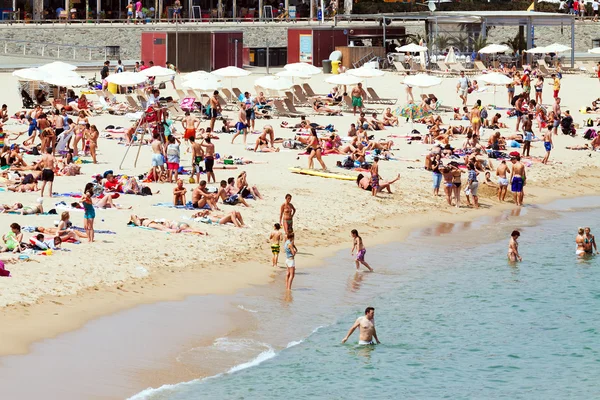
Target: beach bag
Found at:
x=347, y=163
x=484, y=113
x=589, y=134
x=589, y=122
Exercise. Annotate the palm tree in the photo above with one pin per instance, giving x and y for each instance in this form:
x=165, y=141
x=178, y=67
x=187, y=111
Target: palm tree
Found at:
x=479, y=43
x=517, y=44
x=416, y=38
x=461, y=42
x=442, y=42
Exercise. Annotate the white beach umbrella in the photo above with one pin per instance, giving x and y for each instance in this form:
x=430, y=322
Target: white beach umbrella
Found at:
x=31, y=74
x=286, y=73
x=58, y=66
x=537, y=50
x=200, y=75
x=230, y=72
x=494, y=79
x=556, y=48
x=422, y=80
x=305, y=68
x=411, y=48
x=157, y=71
x=451, y=56
x=204, y=85
x=343, y=79
x=127, y=78
x=364, y=72
x=67, y=81
x=494, y=48
x=271, y=82
x=595, y=50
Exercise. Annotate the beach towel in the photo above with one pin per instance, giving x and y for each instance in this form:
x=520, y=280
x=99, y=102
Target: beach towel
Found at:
x=100, y=231
x=187, y=206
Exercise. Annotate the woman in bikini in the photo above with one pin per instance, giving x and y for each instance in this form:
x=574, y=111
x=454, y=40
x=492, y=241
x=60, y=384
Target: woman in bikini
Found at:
x=448, y=185
x=82, y=121
x=314, y=150
x=475, y=118
x=164, y=225
x=456, y=181
x=331, y=145
x=580, y=242
x=93, y=136
x=233, y=217
x=321, y=108
x=244, y=189
x=364, y=182
x=513, y=247
x=589, y=241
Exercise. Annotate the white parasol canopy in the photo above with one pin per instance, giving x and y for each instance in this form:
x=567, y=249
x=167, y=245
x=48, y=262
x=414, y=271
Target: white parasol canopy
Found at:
x=271, y=82
x=67, y=81
x=422, y=80
x=556, y=48
x=200, y=75
x=286, y=73
x=58, y=66
x=157, y=71
x=127, y=78
x=537, y=50
x=364, y=72
x=343, y=79
x=411, y=48
x=31, y=74
x=494, y=48
x=451, y=56
x=595, y=50
x=307, y=69
x=231, y=72
x=204, y=85
x=494, y=78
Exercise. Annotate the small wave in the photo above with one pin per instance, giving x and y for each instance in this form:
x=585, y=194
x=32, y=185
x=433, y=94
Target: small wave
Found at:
x=262, y=357
x=297, y=342
x=241, y=307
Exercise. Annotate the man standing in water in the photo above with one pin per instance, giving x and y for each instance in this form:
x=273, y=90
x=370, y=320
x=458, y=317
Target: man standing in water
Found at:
x=517, y=179
x=366, y=325
x=501, y=173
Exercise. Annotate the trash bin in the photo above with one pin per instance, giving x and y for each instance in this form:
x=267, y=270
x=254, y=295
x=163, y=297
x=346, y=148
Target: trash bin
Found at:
x=326, y=66
x=261, y=57
x=283, y=55
x=253, y=57
x=274, y=58
x=335, y=67
x=113, y=88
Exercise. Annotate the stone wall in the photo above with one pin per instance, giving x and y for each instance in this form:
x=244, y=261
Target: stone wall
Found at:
x=255, y=35
x=127, y=37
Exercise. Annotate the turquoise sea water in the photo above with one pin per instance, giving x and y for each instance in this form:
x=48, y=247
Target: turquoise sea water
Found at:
x=455, y=320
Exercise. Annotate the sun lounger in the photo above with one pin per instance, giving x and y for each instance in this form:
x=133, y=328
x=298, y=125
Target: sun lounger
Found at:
x=376, y=99
x=132, y=103
x=400, y=67
x=290, y=106
x=229, y=96
x=309, y=92
x=181, y=94
x=299, y=93
x=236, y=92
x=480, y=66
x=281, y=111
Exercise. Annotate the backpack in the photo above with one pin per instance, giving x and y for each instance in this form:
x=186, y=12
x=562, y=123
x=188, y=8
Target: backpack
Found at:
x=589, y=122
x=484, y=114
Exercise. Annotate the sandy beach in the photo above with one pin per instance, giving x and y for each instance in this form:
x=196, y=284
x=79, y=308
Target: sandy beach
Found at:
x=49, y=295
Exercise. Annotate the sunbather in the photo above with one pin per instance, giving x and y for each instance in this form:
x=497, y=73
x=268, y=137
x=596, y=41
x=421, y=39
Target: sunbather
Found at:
x=164, y=225
x=234, y=217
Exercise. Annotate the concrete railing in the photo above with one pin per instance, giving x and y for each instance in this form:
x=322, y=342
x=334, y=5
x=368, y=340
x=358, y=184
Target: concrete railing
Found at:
x=53, y=50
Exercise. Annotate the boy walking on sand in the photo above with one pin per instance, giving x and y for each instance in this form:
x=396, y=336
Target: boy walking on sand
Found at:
x=360, y=250
x=275, y=240
x=290, y=262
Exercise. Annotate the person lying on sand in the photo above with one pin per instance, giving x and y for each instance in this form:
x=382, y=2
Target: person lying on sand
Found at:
x=364, y=182
x=35, y=209
x=164, y=225
x=234, y=217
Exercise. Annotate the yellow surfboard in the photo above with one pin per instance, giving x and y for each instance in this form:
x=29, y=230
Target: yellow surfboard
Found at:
x=322, y=174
